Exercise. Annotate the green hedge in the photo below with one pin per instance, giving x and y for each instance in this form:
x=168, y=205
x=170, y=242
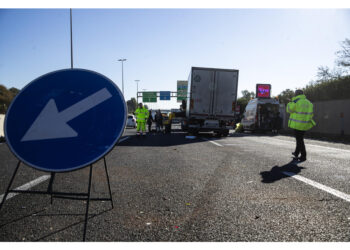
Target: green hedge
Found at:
x=329, y=90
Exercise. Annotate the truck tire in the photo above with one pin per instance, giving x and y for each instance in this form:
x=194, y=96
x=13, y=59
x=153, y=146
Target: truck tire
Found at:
x=218, y=134
x=193, y=131
x=225, y=133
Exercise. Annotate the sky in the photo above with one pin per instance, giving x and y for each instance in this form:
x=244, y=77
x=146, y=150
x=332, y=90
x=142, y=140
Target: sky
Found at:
x=282, y=47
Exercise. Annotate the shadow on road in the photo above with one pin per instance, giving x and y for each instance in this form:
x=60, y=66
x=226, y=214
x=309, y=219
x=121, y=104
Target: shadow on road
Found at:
x=71, y=225
x=276, y=173
x=22, y=218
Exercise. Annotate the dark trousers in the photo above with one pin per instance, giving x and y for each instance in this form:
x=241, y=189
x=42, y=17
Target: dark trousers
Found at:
x=300, y=147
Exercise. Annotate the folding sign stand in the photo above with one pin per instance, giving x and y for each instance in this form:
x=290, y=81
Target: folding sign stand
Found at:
x=63, y=195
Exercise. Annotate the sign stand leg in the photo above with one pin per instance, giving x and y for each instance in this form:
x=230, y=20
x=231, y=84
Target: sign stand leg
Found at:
x=9, y=186
x=49, y=189
x=109, y=186
x=87, y=204
x=63, y=195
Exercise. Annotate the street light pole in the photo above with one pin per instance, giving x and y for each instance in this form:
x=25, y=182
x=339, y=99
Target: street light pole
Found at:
x=122, y=60
x=137, y=91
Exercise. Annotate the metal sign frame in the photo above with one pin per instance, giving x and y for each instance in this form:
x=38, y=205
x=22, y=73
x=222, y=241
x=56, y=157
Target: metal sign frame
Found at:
x=173, y=94
x=64, y=195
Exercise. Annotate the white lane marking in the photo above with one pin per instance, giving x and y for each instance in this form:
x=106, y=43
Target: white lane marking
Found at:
x=315, y=184
x=26, y=186
x=313, y=145
x=123, y=139
x=217, y=144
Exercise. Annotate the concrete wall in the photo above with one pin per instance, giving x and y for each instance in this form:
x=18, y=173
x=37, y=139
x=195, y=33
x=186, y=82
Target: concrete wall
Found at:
x=2, y=118
x=332, y=117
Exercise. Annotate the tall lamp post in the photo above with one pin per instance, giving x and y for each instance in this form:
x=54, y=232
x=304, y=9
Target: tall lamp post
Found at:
x=137, y=91
x=122, y=60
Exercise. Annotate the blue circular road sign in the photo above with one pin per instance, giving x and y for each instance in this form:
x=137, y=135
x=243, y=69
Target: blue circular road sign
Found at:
x=65, y=120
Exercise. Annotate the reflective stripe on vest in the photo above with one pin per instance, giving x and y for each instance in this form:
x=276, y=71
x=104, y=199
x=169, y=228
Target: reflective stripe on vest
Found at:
x=304, y=113
x=298, y=121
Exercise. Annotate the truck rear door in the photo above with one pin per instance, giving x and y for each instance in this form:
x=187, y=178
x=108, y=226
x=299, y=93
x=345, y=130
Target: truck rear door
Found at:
x=202, y=84
x=225, y=94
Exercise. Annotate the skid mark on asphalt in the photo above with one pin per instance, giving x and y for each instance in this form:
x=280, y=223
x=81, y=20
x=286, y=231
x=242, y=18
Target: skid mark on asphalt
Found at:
x=26, y=186
x=320, y=186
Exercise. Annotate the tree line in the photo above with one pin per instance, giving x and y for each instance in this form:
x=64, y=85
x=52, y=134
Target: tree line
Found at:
x=6, y=97
x=330, y=84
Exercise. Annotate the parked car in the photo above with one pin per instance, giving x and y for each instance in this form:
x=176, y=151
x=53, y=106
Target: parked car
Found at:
x=260, y=114
x=131, y=121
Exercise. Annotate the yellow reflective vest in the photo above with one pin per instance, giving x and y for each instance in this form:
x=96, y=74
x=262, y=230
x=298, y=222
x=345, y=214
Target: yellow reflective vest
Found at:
x=141, y=114
x=301, y=113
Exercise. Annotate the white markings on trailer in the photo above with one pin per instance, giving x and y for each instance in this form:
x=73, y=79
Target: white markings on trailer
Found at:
x=217, y=144
x=26, y=186
x=320, y=186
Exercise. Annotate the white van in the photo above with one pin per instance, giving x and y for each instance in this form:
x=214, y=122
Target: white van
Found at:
x=261, y=115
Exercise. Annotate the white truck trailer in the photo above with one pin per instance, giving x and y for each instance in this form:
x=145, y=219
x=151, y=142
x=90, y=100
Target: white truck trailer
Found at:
x=211, y=100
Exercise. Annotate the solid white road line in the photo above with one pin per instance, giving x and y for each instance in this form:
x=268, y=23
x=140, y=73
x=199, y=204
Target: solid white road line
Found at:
x=217, y=144
x=26, y=186
x=315, y=184
x=123, y=139
x=313, y=145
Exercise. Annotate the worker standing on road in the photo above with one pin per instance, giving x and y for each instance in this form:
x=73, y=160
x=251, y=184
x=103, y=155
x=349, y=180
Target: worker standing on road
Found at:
x=169, y=122
x=149, y=121
x=300, y=119
x=141, y=117
x=159, y=121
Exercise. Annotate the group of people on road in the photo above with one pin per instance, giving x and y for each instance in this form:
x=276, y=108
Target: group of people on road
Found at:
x=300, y=120
x=143, y=116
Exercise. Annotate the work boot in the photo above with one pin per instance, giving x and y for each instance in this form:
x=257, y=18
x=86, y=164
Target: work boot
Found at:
x=302, y=158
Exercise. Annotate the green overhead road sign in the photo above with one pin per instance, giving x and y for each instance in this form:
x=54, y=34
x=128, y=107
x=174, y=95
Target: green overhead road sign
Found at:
x=149, y=96
x=181, y=90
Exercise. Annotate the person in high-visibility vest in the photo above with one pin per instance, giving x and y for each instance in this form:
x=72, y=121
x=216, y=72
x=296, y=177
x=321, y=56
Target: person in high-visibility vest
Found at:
x=141, y=118
x=300, y=119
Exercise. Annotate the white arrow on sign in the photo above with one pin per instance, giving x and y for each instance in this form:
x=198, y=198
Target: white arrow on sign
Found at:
x=51, y=124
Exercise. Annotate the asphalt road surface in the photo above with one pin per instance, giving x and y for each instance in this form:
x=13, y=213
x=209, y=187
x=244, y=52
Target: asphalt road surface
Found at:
x=169, y=188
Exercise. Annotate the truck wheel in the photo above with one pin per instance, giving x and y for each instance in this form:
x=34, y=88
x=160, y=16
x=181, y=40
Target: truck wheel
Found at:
x=192, y=131
x=218, y=134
